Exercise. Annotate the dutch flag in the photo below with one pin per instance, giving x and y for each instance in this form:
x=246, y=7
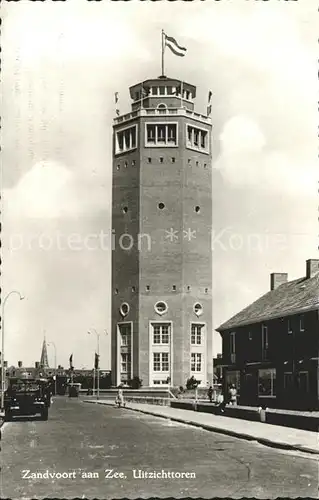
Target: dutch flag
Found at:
x=172, y=44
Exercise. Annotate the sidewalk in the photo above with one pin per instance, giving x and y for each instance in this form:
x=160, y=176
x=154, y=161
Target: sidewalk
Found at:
x=267, y=434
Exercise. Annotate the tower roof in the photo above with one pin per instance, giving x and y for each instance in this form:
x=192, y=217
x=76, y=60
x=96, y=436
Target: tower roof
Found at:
x=44, y=363
x=162, y=81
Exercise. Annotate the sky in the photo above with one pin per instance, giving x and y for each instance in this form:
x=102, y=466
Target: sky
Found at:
x=61, y=64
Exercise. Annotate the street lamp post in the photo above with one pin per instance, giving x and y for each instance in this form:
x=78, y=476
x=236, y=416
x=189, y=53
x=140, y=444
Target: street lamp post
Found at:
x=55, y=384
x=2, y=345
x=98, y=357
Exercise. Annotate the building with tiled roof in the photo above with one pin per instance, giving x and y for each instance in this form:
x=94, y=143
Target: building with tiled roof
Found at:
x=271, y=348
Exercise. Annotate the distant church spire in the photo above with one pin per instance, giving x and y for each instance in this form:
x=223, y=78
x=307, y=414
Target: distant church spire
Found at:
x=44, y=363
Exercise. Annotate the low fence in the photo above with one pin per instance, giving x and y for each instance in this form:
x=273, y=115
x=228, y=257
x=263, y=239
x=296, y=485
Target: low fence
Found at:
x=298, y=420
x=149, y=401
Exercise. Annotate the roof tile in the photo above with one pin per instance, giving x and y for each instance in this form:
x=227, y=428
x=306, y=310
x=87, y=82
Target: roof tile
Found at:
x=289, y=298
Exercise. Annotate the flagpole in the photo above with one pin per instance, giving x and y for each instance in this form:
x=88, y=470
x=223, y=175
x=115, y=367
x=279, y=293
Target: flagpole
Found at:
x=98, y=366
x=163, y=50
x=182, y=93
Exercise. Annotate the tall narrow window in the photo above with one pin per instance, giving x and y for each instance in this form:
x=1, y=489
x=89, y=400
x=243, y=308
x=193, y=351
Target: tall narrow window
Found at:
x=196, y=362
x=161, y=333
x=125, y=140
x=233, y=347
x=160, y=362
x=196, y=334
x=264, y=342
x=289, y=327
x=302, y=323
x=161, y=137
x=151, y=133
x=197, y=139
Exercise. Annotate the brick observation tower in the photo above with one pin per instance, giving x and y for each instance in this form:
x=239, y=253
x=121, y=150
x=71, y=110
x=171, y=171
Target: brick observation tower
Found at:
x=162, y=220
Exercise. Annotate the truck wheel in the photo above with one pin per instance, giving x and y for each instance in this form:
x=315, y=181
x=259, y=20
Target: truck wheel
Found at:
x=44, y=414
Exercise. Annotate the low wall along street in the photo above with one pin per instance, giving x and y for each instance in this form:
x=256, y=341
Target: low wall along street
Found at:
x=298, y=420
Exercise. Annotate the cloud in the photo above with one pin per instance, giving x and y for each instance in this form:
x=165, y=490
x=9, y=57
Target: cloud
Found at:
x=247, y=160
x=45, y=191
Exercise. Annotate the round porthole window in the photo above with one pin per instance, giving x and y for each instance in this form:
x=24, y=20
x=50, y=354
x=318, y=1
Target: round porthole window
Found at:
x=197, y=209
x=161, y=206
x=124, y=309
x=198, y=309
x=161, y=307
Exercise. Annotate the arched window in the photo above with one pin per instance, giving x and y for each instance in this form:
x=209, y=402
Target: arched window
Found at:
x=162, y=109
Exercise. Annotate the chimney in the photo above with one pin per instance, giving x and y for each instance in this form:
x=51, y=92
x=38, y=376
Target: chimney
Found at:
x=20, y=364
x=312, y=267
x=277, y=279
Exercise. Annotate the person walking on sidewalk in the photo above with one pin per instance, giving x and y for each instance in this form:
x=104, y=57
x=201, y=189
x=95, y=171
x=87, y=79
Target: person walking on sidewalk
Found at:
x=120, y=398
x=232, y=395
x=210, y=394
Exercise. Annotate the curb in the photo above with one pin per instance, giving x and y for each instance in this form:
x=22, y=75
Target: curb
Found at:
x=227, y=432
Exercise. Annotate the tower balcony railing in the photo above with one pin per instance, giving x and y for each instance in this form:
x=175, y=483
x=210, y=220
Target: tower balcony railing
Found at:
x=161, y=112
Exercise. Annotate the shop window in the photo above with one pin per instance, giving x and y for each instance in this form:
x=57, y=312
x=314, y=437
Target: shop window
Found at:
x=233, y=378
x=267, y=382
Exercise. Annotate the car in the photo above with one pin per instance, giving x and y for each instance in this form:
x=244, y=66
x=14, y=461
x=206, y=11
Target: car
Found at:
x=27, y=397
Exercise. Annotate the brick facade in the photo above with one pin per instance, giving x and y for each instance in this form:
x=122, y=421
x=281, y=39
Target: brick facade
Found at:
x=174, y=270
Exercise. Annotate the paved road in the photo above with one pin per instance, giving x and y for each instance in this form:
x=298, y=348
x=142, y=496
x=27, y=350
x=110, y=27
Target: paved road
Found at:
x=81, y=438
